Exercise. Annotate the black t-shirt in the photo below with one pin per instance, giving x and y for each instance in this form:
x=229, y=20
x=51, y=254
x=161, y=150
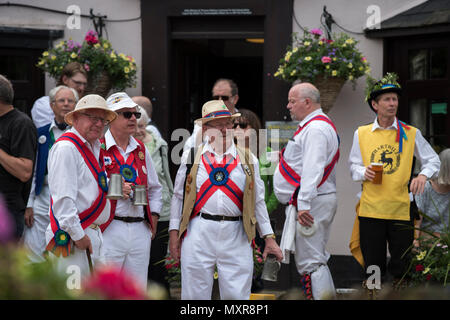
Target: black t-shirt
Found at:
x=18, y=138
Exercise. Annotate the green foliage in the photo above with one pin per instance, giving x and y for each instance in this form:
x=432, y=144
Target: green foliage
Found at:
x=312, y=55
x=96, y=55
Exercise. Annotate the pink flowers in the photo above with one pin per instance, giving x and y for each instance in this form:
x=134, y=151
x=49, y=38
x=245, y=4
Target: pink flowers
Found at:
x=113, y=283
x=86, y=67
x=419, y=268
x=326, y=59
x=316, y=32
x=91, y=37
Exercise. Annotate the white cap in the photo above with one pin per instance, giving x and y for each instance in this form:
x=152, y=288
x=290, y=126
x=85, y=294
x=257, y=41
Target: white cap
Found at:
x=120, y=100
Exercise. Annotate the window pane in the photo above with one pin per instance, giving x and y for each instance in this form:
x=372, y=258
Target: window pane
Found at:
x=418, y=116
x=418, y=64
x=438, y=121
x=438, y=63
x=15, y=68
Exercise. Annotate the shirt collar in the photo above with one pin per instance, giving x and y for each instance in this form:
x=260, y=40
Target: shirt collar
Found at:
x=110, y=141
x=96, y=144
x=376, y=125
x=231, y=150
x=310, y=116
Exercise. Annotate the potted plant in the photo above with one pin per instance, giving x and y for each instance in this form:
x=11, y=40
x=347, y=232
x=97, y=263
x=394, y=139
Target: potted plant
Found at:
x=106, y=67
x=327, y=63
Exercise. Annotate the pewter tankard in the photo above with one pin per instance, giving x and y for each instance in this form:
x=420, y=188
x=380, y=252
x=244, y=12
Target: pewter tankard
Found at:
x=115, y=190
x=140, y=195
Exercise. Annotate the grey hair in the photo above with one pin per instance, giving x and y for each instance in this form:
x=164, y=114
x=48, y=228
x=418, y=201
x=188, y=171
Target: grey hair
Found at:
x=444, y=172
x=6, y=90
x=54, y=91
x=144, y=115
x=310, y=92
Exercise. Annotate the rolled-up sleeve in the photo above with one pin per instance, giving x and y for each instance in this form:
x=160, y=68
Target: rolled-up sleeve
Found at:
x=428, y=158
x=357, y=168
x=176, y=205
x=154, y=187
x=262, y=217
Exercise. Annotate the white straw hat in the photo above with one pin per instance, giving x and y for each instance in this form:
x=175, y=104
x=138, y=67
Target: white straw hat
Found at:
x=91, y=102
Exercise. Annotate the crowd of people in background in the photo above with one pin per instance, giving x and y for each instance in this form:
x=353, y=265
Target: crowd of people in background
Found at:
x=56, y=171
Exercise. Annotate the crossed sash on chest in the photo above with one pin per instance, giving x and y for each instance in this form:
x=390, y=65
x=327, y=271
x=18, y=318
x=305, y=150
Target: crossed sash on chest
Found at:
x=219, y=179
x=292, y=177
x=60, y=243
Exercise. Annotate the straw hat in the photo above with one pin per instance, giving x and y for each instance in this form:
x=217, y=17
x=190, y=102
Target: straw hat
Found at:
x=215, y=109
x=91, y=102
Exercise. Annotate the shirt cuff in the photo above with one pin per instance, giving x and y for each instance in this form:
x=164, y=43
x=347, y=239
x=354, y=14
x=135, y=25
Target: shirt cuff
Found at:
x=174, y=224
x=265, y=229
x=76, y=233
x=427, y=172
x=303, y=205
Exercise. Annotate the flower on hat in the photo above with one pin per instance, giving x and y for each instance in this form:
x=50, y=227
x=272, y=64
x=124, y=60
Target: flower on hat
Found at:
x=373, y=85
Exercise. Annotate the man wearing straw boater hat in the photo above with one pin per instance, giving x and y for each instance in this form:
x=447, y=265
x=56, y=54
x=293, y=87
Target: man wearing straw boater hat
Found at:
x=306, y=179
x=78, y=187
x=216, y=205
x=383, y=211
x=130, y=228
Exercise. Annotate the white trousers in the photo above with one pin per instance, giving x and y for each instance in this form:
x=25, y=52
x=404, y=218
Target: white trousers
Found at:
x=216, y=243
x=34, y=237
x=77, y=261
x=310, y=252
x=127, y=245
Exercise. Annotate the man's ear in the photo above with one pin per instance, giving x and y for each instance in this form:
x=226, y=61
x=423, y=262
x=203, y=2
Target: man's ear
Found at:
x=374, y=105
x=65, y=80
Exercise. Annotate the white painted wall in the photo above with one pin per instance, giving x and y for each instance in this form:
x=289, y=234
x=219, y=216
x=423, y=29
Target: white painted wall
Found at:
x=350, y=109
x=125, y=37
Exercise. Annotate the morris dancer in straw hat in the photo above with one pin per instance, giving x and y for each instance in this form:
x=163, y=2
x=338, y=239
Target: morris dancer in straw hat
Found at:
x=306, y=178
x=384, y=209
x=130, y=228
x=78, y=186
x=215, y=209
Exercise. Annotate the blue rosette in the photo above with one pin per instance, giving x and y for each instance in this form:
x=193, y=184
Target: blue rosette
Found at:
x=218, y=176
x=103, y=181
x=128, y=173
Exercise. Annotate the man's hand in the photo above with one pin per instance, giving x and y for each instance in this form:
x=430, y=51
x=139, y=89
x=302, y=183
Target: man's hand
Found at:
x=272, y=247
x=84, y=243
x=305, y=218
x=418, y=184
x=155, y=219
x=174, y=245
x=369, y=174
x=29, y=217
x=126, y=189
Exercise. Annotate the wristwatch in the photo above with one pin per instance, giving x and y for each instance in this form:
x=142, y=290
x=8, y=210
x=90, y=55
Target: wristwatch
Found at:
x=272, y=235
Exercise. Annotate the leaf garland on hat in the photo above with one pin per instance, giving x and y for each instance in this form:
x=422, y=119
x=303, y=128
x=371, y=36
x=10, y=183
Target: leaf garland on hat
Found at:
x=374, y=85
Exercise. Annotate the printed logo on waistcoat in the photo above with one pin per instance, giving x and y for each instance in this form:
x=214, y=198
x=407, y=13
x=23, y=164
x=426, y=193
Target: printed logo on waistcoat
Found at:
x=388, y=155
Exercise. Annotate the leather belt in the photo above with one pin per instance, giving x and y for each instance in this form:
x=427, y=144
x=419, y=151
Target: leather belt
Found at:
x=215, y=217
x=129, y=219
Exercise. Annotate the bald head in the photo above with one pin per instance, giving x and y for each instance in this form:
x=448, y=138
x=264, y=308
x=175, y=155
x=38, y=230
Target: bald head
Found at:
x=303, y=99
x=308, y=90
x=145, y=103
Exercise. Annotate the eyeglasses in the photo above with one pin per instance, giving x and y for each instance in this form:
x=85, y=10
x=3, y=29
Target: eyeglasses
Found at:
x=224, y=98
x=128, y=114
x=242, y=125
x=95, y=119
x=79, y=83
x=64, y=101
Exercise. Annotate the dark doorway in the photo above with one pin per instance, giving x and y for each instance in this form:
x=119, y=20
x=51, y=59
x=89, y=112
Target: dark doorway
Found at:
x=198, y=63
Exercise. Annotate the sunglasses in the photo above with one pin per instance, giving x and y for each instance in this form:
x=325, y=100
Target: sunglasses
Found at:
x=224, y=98
x=242, y=125
x=128, y=114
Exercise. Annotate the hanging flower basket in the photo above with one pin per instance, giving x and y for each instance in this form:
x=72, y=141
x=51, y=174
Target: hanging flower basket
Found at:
x=326, y=63
x=329, y=89
x=99, y=84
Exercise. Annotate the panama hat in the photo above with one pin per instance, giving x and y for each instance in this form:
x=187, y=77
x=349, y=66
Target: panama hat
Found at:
x=91, y=102
x=215, y=109
x=120, y=100
x=385, y=85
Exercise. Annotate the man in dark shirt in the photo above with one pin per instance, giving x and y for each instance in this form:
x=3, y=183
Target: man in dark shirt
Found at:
x=18, y=139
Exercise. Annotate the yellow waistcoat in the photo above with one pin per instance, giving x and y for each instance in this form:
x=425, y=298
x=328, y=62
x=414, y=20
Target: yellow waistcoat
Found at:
x=248, y=214
x=389, y=200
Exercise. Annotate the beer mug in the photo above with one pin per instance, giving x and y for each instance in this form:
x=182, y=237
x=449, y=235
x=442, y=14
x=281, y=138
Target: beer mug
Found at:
x=140, y=195
x=115, y=190
x=271, y=268
x=378, y=169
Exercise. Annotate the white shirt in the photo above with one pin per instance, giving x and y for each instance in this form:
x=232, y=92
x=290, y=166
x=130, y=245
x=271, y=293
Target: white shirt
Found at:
x=42, y=112
x=219, y=203
x=308, y=154
x=429, y=160
x=125, y=208
x=72, y=186
x=44, y=201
